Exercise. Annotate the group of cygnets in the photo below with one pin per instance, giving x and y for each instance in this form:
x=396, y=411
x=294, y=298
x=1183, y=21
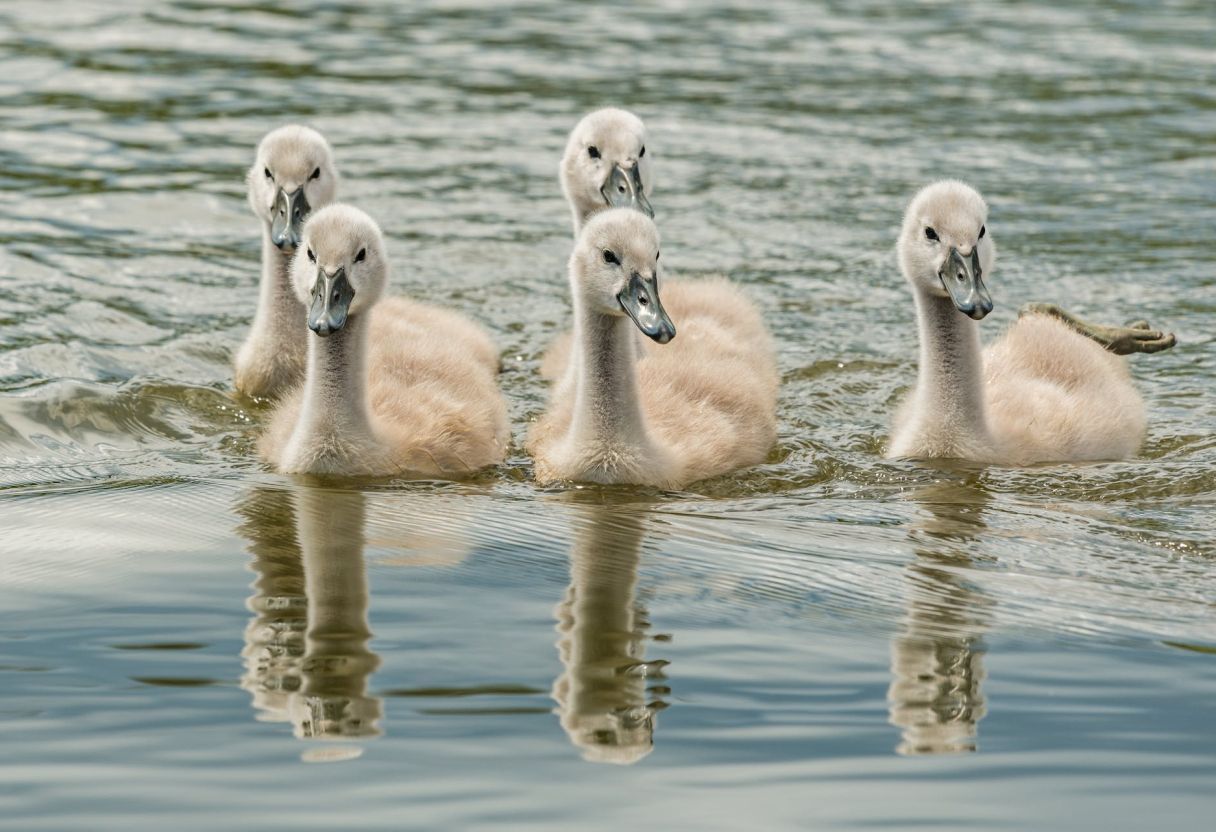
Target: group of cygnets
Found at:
x=373, y=385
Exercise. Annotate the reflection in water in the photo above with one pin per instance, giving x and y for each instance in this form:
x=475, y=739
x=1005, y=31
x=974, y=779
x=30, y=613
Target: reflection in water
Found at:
x=274, y=638
x=603, y=701
x=937, y=661
x=306, y=652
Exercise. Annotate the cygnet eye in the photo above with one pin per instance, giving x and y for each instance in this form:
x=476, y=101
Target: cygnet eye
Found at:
x=930, y=233
x=269, y=175
x=610, y=257
x=983, y=229
x=656, y=255
x=316, y=174
x=642, y=152
x=312, y=257
x=593, y=152
x=361, y=256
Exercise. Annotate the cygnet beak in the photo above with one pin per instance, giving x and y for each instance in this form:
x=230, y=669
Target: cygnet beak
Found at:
x=331, y=297
x=287, y=223
x=623, y=188
x=640, y=300
x=963, y=280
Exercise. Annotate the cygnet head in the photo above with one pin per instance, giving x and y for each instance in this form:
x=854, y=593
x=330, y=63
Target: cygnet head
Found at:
x=945, y=249
x=605, y=164
x=614, y=270
x=293, y=174
x=340, y=269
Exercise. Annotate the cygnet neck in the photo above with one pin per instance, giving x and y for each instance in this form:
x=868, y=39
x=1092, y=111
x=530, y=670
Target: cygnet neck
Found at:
x=335, y=388
x=279, y=314
x=607, y=406
x=949, y=386
x=582, y=211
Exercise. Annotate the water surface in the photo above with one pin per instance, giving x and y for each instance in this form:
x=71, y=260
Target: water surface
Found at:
x=830, y=640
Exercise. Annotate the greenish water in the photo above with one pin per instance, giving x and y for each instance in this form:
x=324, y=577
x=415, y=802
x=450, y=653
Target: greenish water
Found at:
x=829, y=641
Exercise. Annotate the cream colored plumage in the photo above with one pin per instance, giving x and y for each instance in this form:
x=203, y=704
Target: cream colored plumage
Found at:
x=293, y=170
x=619, y=140
x=698, y=407
x=1042, y=392
x=392, y=386
x=601, y=142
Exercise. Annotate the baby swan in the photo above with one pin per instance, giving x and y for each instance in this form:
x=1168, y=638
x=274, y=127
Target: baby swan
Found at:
x=1042, y=392
x=293, y=173
x=701, y=406
x=391, y=386
x=605, y=165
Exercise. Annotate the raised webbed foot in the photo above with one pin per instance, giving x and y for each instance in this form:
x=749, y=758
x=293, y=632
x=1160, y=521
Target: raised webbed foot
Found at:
x=1121, y=340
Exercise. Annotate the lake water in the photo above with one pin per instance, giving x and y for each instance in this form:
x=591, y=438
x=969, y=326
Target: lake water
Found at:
x=829, y=641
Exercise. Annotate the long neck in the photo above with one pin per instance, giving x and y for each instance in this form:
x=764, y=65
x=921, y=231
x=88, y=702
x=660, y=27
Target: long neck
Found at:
x=280, y=314
x=335, y=390
x=607, y=407
x=949, y=385
x=580, y=208
x=581, y=211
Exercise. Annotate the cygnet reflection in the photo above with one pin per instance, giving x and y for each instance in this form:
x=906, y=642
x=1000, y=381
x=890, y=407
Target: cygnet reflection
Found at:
x=307, y=659
x=607, y=696
x=937, y=669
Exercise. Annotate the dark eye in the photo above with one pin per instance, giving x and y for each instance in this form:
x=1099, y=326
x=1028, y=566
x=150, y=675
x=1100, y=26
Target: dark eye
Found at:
x=610, y=257
x=593, y=152
x=930, y=233
x=361, y=256
x=642, y=152
x=269, y=175
x=656, y=255
x=983, y=229
x=316, y=174
x=312, y=256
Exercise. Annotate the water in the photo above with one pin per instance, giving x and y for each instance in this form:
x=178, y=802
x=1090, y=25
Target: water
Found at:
x=828, y=641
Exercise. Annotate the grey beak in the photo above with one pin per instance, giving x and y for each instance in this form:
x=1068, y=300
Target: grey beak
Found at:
x=964, y=281
x=287, y=224
x=331, y=297
x=623, y=189
x=640, y=300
